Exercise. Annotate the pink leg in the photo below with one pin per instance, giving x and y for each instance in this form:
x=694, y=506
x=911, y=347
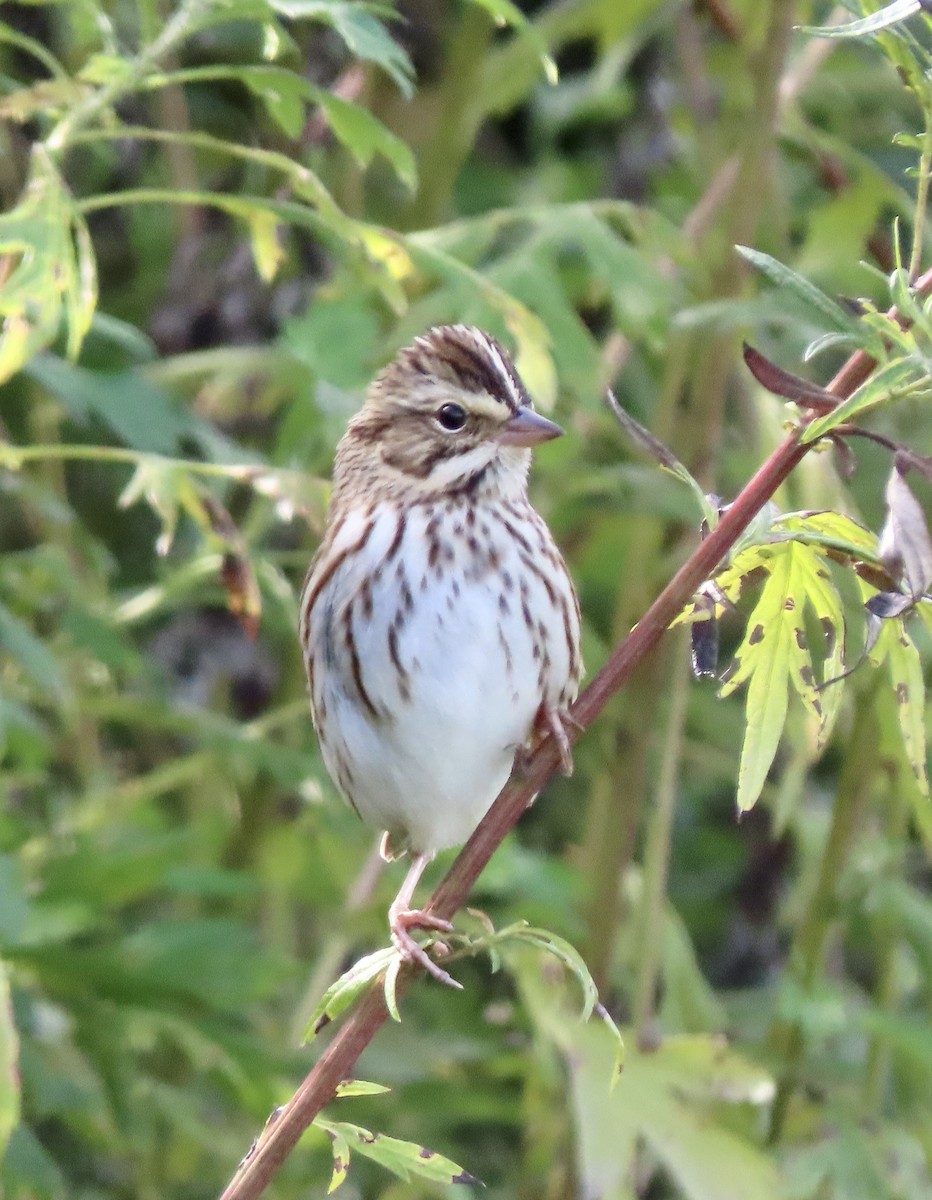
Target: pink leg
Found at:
x=402, y=918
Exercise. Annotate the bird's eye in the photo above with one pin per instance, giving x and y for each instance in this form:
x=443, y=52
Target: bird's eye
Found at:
x=451, y=417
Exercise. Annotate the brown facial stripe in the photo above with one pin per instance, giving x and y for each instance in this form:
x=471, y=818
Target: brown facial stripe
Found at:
x=465, y=360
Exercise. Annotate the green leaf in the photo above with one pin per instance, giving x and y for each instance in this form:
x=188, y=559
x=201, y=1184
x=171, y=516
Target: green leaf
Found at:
x=832, y=530
x=365, y=136
x=54, y=278
x=679, y=1099
x=407, y=1160
x=891, y=382
x=19, y=642
x=341, y=1157
x=365, y=36
x=359, y=1087
x=665, y=458
x=775, y=654
x=899, y=10
x=267, y=251
x=784, y=277
x=284, y=93
x=504, y=12
x=896, y=648
x=9, y=1055
x=345, y=990
x=542, y=939
x=142, y=415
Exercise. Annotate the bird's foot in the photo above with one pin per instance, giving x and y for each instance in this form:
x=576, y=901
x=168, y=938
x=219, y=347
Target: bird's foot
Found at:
x=555, y=721
x=401, y=922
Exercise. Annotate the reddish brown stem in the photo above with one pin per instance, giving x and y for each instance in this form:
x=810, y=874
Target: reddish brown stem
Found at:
x=336, y=1064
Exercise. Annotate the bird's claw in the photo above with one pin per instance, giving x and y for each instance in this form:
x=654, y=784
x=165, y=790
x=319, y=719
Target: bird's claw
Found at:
x=555, y=722
x=400, y=924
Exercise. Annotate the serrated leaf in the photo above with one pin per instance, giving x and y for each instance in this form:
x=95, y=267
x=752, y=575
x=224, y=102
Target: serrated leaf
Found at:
x=364, y=35
x=365, y=136
x=887, y=383
x=775, y=655
x=407, y=1160
x=345, y=990
x=283, y=93
x=784, y=277
x=891, y=14
x=832, y=530
x=896, y=648
x=670, y=1098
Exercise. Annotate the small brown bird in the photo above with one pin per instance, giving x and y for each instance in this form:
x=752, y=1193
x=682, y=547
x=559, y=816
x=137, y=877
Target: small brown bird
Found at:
x=439, y=624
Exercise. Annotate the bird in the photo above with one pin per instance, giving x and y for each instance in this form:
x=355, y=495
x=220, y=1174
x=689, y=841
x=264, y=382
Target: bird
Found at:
x=439, y=624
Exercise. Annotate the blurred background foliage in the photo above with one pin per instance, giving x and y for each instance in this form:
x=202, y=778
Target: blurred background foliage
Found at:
x=221, y=217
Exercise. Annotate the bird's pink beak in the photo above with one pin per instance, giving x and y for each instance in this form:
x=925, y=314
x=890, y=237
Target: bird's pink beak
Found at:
x=527, y=428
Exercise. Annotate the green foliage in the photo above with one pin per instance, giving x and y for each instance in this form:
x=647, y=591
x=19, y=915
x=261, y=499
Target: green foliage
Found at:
x=220, y=217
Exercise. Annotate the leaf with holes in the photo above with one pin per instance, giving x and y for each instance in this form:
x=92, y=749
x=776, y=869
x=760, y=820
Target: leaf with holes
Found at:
x=895, y=648
x=775, y=656
x=407, y=1160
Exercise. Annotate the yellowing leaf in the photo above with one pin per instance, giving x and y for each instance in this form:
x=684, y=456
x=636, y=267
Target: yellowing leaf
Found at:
x=407, y=1160
x=533, y=360
x=54, y=273
x=896, y=648
x=267, y=251
x=775, y=655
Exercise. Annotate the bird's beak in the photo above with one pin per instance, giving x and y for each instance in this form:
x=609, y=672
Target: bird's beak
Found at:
x=526, y=428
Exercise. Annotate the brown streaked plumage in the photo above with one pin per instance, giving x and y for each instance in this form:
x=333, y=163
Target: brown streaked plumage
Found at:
x=439, y=624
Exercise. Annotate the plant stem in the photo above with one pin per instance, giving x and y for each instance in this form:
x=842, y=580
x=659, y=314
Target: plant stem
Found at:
x=877, y=1070
x=457, y=118
x=175, y=31
x=659, y=841
x=922, y=200
x=805, y=959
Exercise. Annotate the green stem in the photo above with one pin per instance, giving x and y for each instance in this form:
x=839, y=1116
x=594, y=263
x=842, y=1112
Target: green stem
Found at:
x=806, y=954
x=12, y=457
x=457, y=119
x=877, y=1071
x=922, y=200
x=659, y=842
x=176, y=29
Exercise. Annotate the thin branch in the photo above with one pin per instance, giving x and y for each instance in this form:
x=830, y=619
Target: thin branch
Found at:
x=281, y=1135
